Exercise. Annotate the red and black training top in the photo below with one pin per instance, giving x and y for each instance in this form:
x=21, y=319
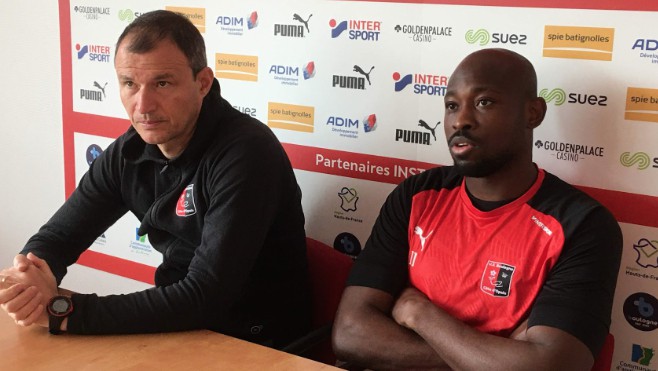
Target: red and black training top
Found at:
x=550, y=256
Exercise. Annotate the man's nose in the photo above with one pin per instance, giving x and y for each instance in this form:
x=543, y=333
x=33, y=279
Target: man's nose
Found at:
x=146, y=101
x=463, y=119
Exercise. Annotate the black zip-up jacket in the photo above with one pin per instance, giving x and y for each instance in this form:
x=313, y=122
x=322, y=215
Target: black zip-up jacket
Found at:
x=226, y=216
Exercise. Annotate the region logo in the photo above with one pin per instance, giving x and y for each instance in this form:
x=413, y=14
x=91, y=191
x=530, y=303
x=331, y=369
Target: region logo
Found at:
x=559, y=97
x=647, y=253
x=101, y=240
x=236, y=67
x=365, y=30
x=422, y=33
x=638, y=160
x=569, y=151
x=140, y=245
x=593, y=43
x=482, y=37
x=416, y=136
x=94, y=53
x=497, y=279
x=92, y=13
x=647, y=50
x=92, y=153
x=640, y=311
x=185, y=205
x=127, y=15
x=297, y=29
x=348, y=200
x=290, y=75
x=196, y=15
x=96, y=95
x=348, y=244
x=641, y=104
x=290, y=117
x=235, y=26
x=348, y=127
x=353, y=82
x=641, y=355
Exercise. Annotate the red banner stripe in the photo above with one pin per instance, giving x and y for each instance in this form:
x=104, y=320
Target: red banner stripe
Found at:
x=118, y=266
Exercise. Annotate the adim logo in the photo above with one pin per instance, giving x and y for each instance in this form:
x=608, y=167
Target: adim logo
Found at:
x=235, y=26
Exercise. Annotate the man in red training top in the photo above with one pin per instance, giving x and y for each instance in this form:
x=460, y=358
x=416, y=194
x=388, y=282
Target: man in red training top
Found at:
x=492, y=263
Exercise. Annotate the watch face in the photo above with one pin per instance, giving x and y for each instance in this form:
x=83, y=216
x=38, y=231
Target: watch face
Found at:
x=60, y=306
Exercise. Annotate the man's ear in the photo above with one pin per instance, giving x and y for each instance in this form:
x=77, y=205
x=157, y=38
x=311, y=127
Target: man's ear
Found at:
x=536, y=112
x=205, y=77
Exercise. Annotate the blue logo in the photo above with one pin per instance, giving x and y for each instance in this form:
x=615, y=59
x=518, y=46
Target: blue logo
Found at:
x=347, y=243
x=93, y=151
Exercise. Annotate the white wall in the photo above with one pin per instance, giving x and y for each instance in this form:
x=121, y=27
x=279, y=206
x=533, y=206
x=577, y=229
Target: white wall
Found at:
x=32, y=169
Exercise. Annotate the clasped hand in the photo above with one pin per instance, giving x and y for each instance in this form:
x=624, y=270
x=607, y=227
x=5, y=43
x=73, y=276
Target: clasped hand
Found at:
x=34, y=284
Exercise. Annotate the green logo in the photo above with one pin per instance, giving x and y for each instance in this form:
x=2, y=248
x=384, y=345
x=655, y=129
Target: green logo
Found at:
x=481, y=36
x=126, y=15
x=641, y=159
x=556, y=94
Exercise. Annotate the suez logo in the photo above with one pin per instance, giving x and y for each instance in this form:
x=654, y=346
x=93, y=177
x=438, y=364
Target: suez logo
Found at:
x=92, y=12
x=235, y=25
x=483, y=37
x=593, y=43
x=644, y=46
x=353, y=82
x=196, y=15
x=638, y=160
x=559, y=97
x=293, y=30
x=94, y=53
x=349, y=127
x=290, y=117
x=422, y=34
x=289, y=75
x=365, y=30
x=426, y=137
x=250, y=111
x=95, y=95
x=236, y=67
x=641, y=104
x=128, y=15
x=569, y=151
x=422, y=83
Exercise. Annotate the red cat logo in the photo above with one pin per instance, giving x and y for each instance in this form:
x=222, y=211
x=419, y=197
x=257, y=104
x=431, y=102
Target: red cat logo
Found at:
x=185, y=205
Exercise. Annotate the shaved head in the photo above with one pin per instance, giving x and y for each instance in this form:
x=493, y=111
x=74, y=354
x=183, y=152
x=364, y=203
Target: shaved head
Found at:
x=503, y=68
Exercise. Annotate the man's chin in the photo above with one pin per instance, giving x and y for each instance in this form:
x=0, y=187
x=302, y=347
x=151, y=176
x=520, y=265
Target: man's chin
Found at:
x=473, y=170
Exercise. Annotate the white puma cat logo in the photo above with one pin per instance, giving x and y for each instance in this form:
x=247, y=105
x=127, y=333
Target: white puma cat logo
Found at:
x=419, y=231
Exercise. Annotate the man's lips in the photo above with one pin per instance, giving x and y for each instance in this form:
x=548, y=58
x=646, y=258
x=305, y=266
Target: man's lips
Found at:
x=461, y=144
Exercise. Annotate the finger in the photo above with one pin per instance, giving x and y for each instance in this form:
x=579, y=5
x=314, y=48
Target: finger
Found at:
x=21, y=262
x=39, y=263
x=33, y=317
x=22, y=299
x=26, y=310
x=10, y=293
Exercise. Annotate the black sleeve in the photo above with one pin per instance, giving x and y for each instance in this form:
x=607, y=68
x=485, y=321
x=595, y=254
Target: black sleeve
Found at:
x=383, y=262
x=247, y=188
x=92, y=208
x=578, y=294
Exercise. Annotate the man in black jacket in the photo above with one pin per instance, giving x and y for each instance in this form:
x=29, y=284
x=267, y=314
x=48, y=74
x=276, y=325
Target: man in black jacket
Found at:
x=214, y=191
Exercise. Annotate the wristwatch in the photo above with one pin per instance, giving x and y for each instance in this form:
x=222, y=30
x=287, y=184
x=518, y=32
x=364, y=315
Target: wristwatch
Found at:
x=59, y=307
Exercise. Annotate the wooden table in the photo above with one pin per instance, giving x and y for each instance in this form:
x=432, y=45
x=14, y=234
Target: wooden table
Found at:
x=33, y=348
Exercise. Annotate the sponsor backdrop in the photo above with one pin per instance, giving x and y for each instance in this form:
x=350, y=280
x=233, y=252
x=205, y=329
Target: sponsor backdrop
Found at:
x=354, y=90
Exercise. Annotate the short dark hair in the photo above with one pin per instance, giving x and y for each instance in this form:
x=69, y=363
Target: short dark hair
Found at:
x=152, y=27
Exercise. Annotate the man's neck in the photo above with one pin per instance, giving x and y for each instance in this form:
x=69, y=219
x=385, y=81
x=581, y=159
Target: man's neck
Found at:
x=504, y=185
